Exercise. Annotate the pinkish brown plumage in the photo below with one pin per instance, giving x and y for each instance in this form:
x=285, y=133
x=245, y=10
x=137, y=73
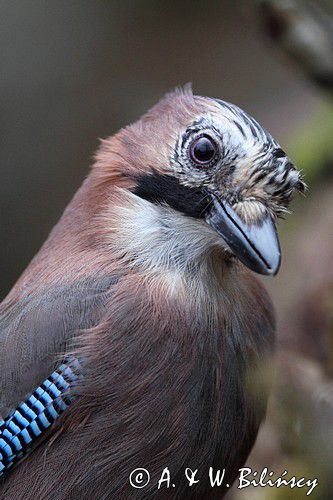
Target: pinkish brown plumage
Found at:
x=141, y=281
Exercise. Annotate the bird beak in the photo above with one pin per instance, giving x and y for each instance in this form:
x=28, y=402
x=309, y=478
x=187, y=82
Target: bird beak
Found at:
x=256, y=245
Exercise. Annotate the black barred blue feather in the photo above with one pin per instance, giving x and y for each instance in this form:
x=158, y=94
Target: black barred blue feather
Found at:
x=20, y=430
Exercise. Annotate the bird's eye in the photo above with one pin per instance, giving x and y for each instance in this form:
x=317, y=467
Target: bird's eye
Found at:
x=203, y=151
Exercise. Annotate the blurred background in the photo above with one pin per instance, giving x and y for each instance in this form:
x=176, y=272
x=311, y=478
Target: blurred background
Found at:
x=73, y=72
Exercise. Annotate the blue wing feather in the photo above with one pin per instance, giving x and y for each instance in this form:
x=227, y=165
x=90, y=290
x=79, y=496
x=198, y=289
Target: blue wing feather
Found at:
x=20, y=430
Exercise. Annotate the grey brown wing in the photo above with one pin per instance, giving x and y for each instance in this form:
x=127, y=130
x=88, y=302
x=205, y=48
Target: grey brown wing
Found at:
x=36, y=330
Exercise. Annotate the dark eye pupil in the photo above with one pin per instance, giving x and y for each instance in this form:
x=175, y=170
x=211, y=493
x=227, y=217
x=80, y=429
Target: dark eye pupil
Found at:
x=203, y=150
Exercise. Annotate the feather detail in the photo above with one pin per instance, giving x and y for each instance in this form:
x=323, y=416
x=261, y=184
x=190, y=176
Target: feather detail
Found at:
x=20, y=431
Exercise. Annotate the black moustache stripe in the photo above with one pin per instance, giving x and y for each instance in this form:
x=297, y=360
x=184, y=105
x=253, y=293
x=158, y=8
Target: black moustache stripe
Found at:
x=160, y=189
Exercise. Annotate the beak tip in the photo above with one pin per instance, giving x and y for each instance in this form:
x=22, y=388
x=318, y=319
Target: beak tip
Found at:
x=256, y=245
x=273, y=267
x=266, y=270
x=273, y=272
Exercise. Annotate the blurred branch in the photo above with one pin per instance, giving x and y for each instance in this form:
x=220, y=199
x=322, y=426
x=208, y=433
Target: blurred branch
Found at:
x=305, y=33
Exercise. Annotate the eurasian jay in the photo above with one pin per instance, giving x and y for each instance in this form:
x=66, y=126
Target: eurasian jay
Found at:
x=128, y=340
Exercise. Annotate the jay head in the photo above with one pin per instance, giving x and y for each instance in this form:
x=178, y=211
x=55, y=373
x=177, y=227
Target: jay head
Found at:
x=143, y=292
x=200, y=178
